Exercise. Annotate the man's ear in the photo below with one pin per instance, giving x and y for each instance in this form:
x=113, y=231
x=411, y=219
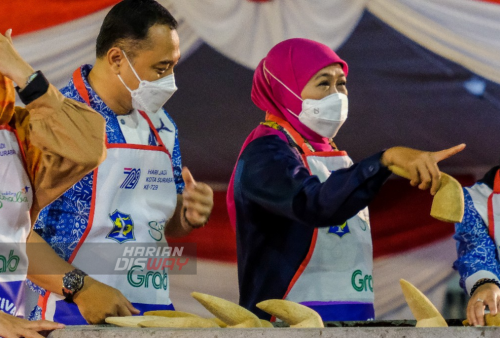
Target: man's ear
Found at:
x=115, y=59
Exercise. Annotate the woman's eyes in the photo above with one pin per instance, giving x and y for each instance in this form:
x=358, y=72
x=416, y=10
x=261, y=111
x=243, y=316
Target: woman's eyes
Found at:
x=327, y=83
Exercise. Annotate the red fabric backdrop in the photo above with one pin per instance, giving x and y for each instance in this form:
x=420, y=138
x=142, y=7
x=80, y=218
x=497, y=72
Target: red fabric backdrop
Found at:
x=399, y=217
x=25, y=16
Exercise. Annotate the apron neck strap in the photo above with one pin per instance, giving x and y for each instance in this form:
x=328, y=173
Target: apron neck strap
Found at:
x=496, y=183
x=80, y=85
x=82, y=91
x=153, y=129
x=293, y=136
x=491, y=207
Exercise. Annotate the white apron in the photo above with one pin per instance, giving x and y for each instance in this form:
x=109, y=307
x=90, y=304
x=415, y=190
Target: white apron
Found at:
x=16, y=198
x=133, y=187
x=335, y=278
x=489, y=211
x=487, y=203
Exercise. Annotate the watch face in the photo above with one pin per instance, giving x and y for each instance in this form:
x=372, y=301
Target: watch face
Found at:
x=73, y=281
x=32, y=77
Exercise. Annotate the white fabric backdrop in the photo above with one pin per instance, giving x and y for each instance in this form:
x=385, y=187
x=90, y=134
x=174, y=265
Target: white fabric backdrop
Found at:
x=245, y=31
x=464, y=31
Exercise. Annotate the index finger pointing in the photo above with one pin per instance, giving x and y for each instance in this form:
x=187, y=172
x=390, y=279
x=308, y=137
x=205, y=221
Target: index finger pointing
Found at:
x=446, y=153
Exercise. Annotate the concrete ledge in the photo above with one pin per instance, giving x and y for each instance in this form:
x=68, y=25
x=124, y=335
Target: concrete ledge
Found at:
x=101, y=331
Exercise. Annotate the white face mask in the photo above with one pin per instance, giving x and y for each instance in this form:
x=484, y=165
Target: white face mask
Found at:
x=150, y=96
x=325, y=116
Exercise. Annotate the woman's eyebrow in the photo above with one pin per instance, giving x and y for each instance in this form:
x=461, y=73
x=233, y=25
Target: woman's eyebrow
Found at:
x=323, y=74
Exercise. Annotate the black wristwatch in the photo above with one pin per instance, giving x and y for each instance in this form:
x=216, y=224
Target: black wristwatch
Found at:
x=72, y=283
x=36, y=86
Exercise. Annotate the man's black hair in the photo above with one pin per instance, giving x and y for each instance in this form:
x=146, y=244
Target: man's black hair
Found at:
x=129, y=21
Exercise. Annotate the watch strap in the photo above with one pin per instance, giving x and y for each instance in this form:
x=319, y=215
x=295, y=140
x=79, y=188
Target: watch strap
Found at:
x=36, y=86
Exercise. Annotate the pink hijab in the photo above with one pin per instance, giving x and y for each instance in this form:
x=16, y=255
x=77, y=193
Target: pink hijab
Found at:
x=292, y=62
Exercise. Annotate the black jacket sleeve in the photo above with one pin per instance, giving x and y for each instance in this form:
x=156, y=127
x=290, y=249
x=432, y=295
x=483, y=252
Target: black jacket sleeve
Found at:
x=271, y=174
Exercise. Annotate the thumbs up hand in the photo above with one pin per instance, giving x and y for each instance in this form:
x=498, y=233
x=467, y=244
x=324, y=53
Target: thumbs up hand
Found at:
x=198, y=201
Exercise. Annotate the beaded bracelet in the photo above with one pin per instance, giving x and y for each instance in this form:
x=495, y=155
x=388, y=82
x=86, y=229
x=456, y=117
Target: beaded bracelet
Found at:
x=482, y=282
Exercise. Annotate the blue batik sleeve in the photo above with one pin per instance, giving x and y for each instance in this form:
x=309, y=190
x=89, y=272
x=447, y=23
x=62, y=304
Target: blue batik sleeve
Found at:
x=176, y=159
x=476, y=250
x=177, y=164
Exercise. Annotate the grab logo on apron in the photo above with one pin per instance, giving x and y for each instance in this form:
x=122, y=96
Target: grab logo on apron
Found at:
x=16, y=198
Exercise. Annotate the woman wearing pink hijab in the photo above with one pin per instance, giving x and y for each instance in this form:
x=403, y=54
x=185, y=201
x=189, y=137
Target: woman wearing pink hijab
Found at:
x=299, y=204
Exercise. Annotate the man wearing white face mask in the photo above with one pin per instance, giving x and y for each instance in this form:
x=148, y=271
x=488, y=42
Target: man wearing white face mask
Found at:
x=137, y=49
x=150, y=96
x=299, y=204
